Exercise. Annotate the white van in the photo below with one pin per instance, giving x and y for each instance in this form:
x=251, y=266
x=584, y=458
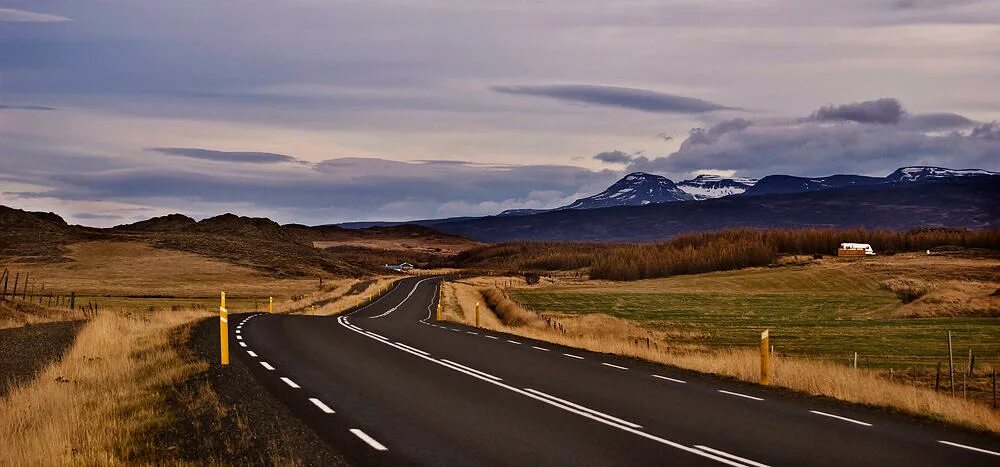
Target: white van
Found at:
x=858, y=246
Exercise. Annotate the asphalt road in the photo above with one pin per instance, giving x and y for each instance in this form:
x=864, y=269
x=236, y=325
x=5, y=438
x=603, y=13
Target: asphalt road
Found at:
x=388, y=385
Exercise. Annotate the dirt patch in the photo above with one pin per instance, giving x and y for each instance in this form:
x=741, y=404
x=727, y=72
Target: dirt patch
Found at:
x=28, y=349
x=225, y=411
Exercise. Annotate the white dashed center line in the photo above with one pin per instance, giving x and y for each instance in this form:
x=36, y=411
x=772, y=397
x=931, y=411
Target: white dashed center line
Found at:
x=838, y=417
x=492, y=337
x=984, y=451
x=368, y=439
x=290, y=382
x=267, y=365
x=614, y=366
x=321, y=405
x=539, y=348
x=251, y=353
x=513, y=342
x=243, y=344
x=740, y=395
x=573, y=356
x=670, y=379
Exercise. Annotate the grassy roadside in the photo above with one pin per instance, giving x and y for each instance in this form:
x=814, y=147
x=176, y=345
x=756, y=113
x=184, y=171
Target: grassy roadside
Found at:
x=614, y=335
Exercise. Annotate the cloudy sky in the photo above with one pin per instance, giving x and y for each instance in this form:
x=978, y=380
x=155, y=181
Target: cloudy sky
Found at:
x=326, y=111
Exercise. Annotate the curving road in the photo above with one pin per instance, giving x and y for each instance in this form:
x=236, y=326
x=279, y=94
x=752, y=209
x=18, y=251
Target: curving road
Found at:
x=388, y=385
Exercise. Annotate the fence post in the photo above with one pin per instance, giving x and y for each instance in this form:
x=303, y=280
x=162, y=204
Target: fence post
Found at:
x=4, y=280
x=951, y=366
x=855, y=364
x=17, y=278
x=72, y=300
x=937, y=378
x=24, y=293
x=224, y=330
x=765, y=357
x=994, y=388
x=972, y=362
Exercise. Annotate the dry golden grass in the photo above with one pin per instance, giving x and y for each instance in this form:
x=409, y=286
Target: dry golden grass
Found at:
x=606, y=334
x=95, y=406
x=337, y=296
x=15, y=313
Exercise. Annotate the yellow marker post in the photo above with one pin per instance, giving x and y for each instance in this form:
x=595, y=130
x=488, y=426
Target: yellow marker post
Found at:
x=224, y=330
x=440, y=297
x=477, y=314
x=270, y=304
x=765, y=357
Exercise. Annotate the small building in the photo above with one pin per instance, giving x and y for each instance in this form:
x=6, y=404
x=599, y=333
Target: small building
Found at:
x=855, y=249
x=401, y=267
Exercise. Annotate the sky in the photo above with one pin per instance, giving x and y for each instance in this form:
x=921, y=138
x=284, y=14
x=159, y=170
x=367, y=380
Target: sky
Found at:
x=309, y=111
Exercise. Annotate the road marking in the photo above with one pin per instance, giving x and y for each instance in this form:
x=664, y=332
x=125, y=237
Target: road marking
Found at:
x=731, y=456
x=413, y=348
x=321, y=405
x=290, y=382
x=614, y=366
x=740, y=395
x=368, y=439
x=585, y=409
x=984, y=451
x=470, y=332
x=670, y=379
x=378, y=335
x=251, y=353
x=456, y=330
x=243, y=344
x=481, y=373
x=267, y=365
x=390, y=310
x=513, y=342
x=573, y=356
x=237, y=330
x=838, y=417
x=539, y=348
x=492, y=337
x=581, y=413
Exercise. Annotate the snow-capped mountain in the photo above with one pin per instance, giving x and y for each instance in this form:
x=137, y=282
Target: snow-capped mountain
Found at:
x=923, y=173
x=780, y=184
x=635, y=189
x=714, y=186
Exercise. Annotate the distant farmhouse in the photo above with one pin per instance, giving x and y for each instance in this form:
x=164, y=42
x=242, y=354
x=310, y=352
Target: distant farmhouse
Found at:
x=401, y=267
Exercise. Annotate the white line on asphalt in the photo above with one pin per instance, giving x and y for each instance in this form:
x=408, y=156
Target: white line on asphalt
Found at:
x=378, y=336
x=413, y=348
x=539, y=348
x=456, y=330
x=585, y=409
x=243, y=344
x=251, y=353
x=740, y=395
x=838, y=417
x=321, y=405
x=368, y=439
x=237, y=330
x=239, y=338
x=573, y=356
x=731, y=456
x=670, y=379
x=513, y=342
x=290, y=382
x=481, y=373
x=492, y=337
x=614, y=366
x=984, y=451
x=470, y=332
x=267, y=365
x=390, y=310
x=572, y=410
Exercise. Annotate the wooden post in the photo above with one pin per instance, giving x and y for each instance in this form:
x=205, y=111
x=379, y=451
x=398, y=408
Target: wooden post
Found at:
x=951, y=366
x=224, y=330
x=72, y=300
x=994, y=388
x=972, y=362
x=4, y=280
x=855, y=364
x=17, y=278
x=937, y=378
x=765, y=357
x=24, y=293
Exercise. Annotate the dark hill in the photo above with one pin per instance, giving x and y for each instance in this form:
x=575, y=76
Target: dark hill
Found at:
x=168, y=223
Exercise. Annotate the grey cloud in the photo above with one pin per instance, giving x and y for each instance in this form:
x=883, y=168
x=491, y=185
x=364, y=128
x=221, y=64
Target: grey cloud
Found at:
x=664, y=137
x=23, y=16
x=884, y=111
x=613, y=96
x=88, y=215
x=226, y=156
x=987, y=131
x=25, y=107
x=614, y=157
x=936, y=121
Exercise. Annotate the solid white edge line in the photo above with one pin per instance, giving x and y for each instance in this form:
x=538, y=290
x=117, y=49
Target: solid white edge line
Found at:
x=739, y=395
x=321, y=405
x=404, y=299
x=573, y=356
x=251, y=353
x=267, y=365
x=586, y=409
x=731, y=456
x=378, y=335
x=289, y=382
x=671, y=379
x=838, y=417
x=483, y=373
x=984, y=451
x=539, y=348
x=368, y=439
x=612, y=365
x=572, y=410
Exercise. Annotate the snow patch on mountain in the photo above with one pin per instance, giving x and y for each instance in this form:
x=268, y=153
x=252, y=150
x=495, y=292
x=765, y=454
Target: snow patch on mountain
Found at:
x=635, y=189
x=714, y=186
x=922, y=173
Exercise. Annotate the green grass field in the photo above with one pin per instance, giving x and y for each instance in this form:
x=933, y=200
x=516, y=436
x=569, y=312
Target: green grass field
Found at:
x=811, y=312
